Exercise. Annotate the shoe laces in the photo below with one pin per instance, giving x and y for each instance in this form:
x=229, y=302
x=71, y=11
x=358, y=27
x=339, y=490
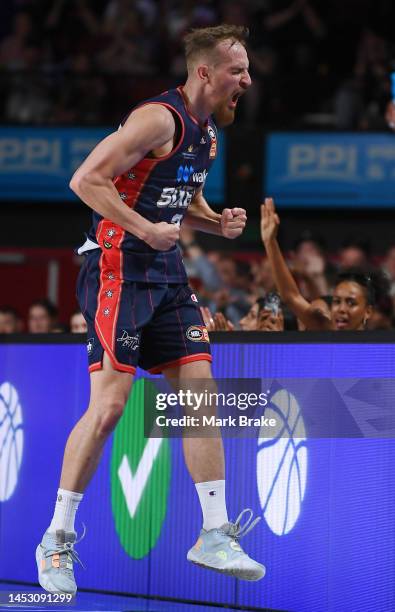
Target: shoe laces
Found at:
x=67, y=548
x=236, y=530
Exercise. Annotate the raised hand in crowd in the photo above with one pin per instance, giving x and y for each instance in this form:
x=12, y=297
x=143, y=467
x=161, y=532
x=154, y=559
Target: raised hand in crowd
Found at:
x=216, y=322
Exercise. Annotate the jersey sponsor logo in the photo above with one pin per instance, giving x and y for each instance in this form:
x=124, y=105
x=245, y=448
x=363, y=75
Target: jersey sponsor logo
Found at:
x=213, y=138
x=123, y=196
x=197, y=333
x=129, y=342
x=199, y=177
x=185, y=173
x=89, y=345
x=190, y=153
x=107, y=245
x=193, y=297
x=131, y=176
x=111, y=232
x=176, y=197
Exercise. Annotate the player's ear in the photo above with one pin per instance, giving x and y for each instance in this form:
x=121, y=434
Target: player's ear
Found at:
x=203, y=72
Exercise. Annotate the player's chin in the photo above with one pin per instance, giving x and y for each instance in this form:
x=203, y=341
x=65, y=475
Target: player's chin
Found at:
x=224, y=116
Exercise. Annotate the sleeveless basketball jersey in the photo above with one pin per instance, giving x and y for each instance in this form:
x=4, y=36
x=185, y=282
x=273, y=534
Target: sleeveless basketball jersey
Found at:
x=159, y=189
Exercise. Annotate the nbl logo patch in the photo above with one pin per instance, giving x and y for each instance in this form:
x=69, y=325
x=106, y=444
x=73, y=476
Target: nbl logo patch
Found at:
x=197, y=333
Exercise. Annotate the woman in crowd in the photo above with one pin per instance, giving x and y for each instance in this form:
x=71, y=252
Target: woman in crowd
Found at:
x=352, y=296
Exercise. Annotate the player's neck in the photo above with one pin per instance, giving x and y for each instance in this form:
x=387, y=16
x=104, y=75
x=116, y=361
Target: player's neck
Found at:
x=195, y=102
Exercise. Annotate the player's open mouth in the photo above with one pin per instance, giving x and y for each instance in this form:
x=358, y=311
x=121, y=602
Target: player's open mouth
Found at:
x=341, y=323
x=234, y=99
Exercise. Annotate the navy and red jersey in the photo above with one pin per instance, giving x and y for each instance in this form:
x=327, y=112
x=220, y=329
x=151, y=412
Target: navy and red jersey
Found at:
x=159, y=189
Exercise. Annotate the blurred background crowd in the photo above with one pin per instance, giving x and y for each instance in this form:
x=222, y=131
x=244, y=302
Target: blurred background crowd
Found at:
x=78, y=61
x=315, y=64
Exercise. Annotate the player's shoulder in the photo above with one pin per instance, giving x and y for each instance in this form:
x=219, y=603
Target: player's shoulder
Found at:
x=150, y=118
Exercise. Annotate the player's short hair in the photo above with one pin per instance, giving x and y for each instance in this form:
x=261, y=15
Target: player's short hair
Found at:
x=201, y=40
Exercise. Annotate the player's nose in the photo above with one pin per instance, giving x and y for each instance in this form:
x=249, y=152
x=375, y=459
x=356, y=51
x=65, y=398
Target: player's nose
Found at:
x=245, y=80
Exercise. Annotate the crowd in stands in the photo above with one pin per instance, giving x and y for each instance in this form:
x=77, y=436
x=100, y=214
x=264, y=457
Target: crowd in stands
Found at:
x=85, y=62
x=305, y=289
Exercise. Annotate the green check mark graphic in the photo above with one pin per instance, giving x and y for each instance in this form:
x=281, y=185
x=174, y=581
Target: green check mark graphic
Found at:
x=140, y=479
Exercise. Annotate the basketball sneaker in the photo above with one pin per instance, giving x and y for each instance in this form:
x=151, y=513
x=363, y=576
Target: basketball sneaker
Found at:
x=55, y=555
x=219, y=550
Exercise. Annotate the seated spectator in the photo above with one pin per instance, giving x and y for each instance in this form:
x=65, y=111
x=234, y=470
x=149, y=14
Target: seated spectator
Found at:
x=389, y=265
x=265, y=315
x=77, y=323
x=10, y=320
x=381, y=318
x=354, y=253
x=352, y=297
x=42, y=318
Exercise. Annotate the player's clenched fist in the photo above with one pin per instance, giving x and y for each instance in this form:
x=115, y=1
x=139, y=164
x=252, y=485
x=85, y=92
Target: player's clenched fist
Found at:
x=233, y=221
x=162, y=236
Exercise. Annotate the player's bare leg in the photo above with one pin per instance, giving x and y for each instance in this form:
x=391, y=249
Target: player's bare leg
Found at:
x=55, y=555
x=109, y=392
x=212, y=467
x=217, y=547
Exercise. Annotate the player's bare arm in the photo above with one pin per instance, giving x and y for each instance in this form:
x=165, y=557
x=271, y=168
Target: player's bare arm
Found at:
x=313, y=318
x=150, y=128
x=230, y=224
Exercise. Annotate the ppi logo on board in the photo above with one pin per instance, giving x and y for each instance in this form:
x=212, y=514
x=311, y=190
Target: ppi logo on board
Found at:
x=197, y=333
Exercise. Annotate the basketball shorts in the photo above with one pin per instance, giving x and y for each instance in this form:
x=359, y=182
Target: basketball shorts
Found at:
x=150, y=325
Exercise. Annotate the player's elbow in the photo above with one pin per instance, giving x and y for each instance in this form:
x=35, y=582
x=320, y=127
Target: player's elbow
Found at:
x=79, y=182
x=75, y=183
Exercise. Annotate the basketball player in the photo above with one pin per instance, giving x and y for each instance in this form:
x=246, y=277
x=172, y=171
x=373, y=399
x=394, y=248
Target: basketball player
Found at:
x=142, y=182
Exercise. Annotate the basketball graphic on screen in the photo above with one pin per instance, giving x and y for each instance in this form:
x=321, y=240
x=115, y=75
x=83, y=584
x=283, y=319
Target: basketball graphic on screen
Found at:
x=282, y=464
x=11, y=440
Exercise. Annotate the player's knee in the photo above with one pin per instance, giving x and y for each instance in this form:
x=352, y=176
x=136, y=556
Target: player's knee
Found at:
x=109, y=415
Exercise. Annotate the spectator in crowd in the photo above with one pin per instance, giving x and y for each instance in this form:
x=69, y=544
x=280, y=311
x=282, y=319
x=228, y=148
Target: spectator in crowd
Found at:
x=20, y=48
x=42, y=317
x=389, y=266
x=309, y=265
x=355, y=253
x=216, y=321
x=10, y=320
x=352, y=297
x=78, y=323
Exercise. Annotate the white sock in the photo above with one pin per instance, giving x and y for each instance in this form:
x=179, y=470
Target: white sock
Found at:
x=66, y=506
x=212, y=500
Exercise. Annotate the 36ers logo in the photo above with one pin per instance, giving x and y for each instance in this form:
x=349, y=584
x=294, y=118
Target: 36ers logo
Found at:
x=213, y=138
